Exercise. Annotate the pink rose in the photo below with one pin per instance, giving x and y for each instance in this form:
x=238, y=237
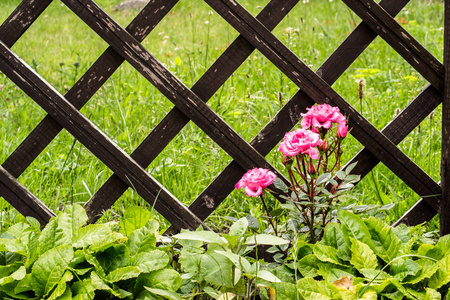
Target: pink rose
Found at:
x=322, y=115
x=342, y=130
x=300, y=141
x=255, y=180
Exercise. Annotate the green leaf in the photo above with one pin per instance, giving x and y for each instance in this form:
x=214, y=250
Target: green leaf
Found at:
x=203, y=236
x=362, y=256
x=239, y=227
x=77, y=215
x=279, y=184
x=143, y=239
x=265, y=239
x=308, y=266
x=165, y=279
x=17, y=275
x=123, y=274
x=442, y=275
x=96, y=236
x=405, y=268
x=285, y=291
x=164, y=293
x=49, y=268
x=353, y=227
x=427, y=269
x=216, y=269
x=61, y=287
x=13, y=245
x=326, y=253
x=239, y=261
x=149, y=261
x=331, y=272
x=317, y=290
x=83, y=290
x=385, y=243
x=252, y=222
x=135, y=217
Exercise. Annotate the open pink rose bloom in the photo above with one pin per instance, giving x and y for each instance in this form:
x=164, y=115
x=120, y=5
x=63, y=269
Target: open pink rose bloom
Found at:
x=300, y=141
x=322, y=115
x=255, y=181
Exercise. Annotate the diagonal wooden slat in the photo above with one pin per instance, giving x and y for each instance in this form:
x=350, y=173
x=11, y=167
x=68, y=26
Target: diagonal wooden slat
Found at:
x=321, y=92
x=95, y=140
x=82, y=91
x=191, y=105
x=400, y=40
x=289, y=115
x=175, y=120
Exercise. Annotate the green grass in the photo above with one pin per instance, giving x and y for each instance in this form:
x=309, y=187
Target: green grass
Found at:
x=188, y=41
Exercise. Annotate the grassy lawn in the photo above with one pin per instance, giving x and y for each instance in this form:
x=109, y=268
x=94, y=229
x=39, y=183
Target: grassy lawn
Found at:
x=61, y=48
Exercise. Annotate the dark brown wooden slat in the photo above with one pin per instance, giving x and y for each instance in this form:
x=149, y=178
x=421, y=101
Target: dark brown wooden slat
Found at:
x=399, y=39
x=175, y=120
x=85, y=88
x=95, y=140
x=22, y=199
x=10, y=31
x=21, y=19
x=445, y=147
x=321, y=92
x=191, y=105
x=330, y=71
x=420, y=212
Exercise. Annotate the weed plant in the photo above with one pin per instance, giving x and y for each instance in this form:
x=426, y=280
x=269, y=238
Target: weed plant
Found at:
x=61, y=48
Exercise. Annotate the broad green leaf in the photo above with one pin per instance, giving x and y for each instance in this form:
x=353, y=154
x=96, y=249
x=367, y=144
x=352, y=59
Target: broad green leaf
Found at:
x=77, y=215
x=331, y=272
x=123, y=274
x=362, y=256
x=94, y=262
x=24, y=285
x=20, y=231
x=285, y=291
x=112, y=258
x=49, y=268
x=326, y=253
x=96, y=236
x=17, y=275
x=100, y=284
x=135, y=217
x=239, y=261
x=165, y=279
x=427, y=268
x=442, y=275
x=216, y=269
x=171, y=295
x=239, y=227
x=441, y=248
x=266, y=239
x=267, y=276
x=407, y=267
x=61, y=287
x=143, y=239
x=312, y=289
x=375, y=275
x=57, y=232
x=203, y=236
x=432, y=294
x=308, y=266
x=13, y=245
x=385, y=243
x=83, y=290
x=353, y=227
x=149, y=261
x=227, y=296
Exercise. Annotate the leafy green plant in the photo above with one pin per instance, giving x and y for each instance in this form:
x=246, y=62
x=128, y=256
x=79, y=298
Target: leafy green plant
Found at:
x=67, y=260
x=222, y=269
x=367, y=259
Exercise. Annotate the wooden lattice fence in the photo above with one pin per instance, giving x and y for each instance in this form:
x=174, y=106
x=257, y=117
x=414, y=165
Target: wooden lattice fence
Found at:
x=190, y=105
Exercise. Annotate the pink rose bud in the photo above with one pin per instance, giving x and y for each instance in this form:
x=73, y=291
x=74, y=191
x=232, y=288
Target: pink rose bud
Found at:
x=311, y=170
x=255, y=181
x=323, y=146
x=342, y=130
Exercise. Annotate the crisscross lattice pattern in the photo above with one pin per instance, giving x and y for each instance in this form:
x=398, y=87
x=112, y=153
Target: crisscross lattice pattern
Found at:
x=190, y=104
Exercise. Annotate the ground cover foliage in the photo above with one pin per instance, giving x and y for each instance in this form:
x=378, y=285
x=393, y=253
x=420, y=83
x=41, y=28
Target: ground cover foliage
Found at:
x=358, y=258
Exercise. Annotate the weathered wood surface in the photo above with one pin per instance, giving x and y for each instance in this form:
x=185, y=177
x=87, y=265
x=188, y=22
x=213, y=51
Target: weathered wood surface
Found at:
x=321, y=92
x=445, y=150
x=175, y=120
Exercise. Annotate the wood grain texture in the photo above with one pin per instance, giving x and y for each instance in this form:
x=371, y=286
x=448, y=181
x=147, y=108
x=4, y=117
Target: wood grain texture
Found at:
x=95, y=140
x=321, y=92
x=175, y=120
x=445, y=150
x=398, y=38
